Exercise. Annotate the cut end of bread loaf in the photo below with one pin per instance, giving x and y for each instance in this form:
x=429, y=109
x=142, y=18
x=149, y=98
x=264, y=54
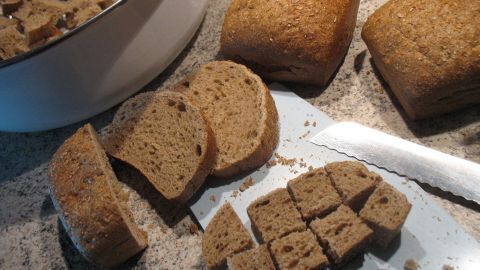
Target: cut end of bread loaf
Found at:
x=85, y=192
x=166, y=138
x=241, y=111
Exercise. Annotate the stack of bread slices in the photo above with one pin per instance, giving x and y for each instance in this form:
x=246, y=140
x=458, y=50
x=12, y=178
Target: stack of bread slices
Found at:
x=220, y=121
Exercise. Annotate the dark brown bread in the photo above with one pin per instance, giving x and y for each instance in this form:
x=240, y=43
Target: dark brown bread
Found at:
x=298, y=250
x=11, y=42
x=241, y=112
x=84, y=191
x=314, y=194
x=428, y=52
x=274, y=215
x=302, y=41
x=255, y=259
x=353, y=182
x=224, y=236
x=166, y=138
x=385, y=212
x=342, y=233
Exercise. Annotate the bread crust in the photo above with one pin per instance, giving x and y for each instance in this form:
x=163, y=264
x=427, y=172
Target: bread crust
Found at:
x=81, y=189
x=300, y=41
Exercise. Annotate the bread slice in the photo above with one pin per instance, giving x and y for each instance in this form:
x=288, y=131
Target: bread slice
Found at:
x=274, y=215
x=298, y=250
x=353, y=182
x=342, y=233
x=84, y=191
x=385, y=212
x=166, y=138
x=241, y=112
x=11, y=42
x=224, y=236
x=258, y=258
x=314, y=194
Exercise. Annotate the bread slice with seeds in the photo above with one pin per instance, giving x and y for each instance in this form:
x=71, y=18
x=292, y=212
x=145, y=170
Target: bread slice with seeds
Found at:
x=86, y=194
x=224, y=236
x=241, y=112
x=166, y=138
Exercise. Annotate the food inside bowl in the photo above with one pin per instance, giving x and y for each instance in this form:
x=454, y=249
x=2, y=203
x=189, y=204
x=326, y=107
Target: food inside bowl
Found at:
x=28, y=24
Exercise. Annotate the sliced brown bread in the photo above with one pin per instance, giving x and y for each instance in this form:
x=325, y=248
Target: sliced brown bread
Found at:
x=224, y=236
x=84, y=191
x=11, y=42
x=314, y=194
x=298, y=250
x=385, y=212
x=274, y=215
x=241, y=112
x=353, y=181
x=342, y=234
x=258, y=258
x=166, y=138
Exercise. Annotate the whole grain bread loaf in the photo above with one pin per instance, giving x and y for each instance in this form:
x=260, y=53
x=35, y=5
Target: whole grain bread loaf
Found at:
x=84, y=191
x=428, y=52
x=301, y=41
x=241, y=112
x=166, y=138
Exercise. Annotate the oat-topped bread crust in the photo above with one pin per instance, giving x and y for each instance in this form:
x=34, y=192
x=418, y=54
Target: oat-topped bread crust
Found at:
x=255, y=259
x=224, y=236
x=274, y=215
x=385, y=212
x=302, y=41
x=241, y=112
x=428, y=52
x=166, y=138
x=342, y=233
x=84, y=191
x=353, y=181
x=314, y=194
x=298, y=251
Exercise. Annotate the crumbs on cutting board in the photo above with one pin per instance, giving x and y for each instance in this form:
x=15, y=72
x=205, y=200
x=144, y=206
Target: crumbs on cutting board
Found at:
x=285, y=161
x=246, y=184
x=304, y=135
x=212, y=198
x=410, y=264
x=306, y=124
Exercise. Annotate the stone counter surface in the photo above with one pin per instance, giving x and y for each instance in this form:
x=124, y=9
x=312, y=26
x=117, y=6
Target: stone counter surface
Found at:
x=32, y=238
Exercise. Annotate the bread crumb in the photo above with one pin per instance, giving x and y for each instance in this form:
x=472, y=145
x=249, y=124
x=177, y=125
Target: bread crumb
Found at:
x=234, y=194
x=410, y=264
x=271, y=163
x=310, y=168
x=212, y=198
x=314, y=124
x=194, y=229
x=284, y=161
x=306, y=124
x=248, y=183
x=447, y=267
x=303, y=164
x=304, y=135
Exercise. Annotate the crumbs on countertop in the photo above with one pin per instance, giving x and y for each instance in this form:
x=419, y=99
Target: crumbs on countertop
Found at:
x=306, y=124
x=271, y=163
x=212, y=198
x=285, y=161
x=447, y=267
x=410, y=264
x=246, y=184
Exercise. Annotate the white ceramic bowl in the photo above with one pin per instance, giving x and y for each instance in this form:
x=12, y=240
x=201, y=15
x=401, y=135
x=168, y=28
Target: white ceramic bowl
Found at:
x=97, y=65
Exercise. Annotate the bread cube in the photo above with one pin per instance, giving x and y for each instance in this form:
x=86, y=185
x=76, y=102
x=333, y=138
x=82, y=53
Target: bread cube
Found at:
x=258, y=258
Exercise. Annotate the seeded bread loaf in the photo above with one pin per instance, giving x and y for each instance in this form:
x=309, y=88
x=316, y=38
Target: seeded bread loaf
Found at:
x=301, y=41
x=314, y=194
x=428, y=52
x=224, y=236
x=241, y=112
x=298, y=250
x=385, y=212
x=84, y=191
x=254, y=259
x=166, y=138
x=274, y=215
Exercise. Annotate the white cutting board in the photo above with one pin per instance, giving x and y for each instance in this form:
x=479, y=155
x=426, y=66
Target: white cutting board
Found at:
x=430, y=236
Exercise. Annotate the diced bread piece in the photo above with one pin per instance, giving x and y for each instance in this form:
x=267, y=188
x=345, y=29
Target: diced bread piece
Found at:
x=298, y=250
x=10, y=6
x=342, y=233
x=166, y=138
x=314, y=194
x=37, y=28
x=301, y=41
x=258, y=258
x=353, y=182
x=224, y=236
x=242, y=114
x=84, y=191
x=385, y=212
x=274, y=215
x=6, y=22
x=11, y=42
x=86, y=13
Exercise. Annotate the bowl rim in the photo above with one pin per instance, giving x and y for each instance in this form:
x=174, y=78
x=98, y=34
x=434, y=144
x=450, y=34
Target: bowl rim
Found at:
x=24, y=56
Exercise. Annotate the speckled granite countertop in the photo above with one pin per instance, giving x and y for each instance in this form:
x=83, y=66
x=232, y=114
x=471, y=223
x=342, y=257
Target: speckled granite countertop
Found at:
x=31, y=237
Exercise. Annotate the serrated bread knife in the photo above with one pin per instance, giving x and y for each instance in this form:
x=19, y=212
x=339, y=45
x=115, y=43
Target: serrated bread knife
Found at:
x=449, y=173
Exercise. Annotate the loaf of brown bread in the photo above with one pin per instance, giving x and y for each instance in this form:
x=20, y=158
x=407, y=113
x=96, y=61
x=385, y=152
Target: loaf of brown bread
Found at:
x=428, y=52
x=301, y=41
x=84, y=191
x=166, y=138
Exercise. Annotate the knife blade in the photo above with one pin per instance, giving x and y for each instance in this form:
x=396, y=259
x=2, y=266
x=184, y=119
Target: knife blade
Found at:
x=458, y=176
